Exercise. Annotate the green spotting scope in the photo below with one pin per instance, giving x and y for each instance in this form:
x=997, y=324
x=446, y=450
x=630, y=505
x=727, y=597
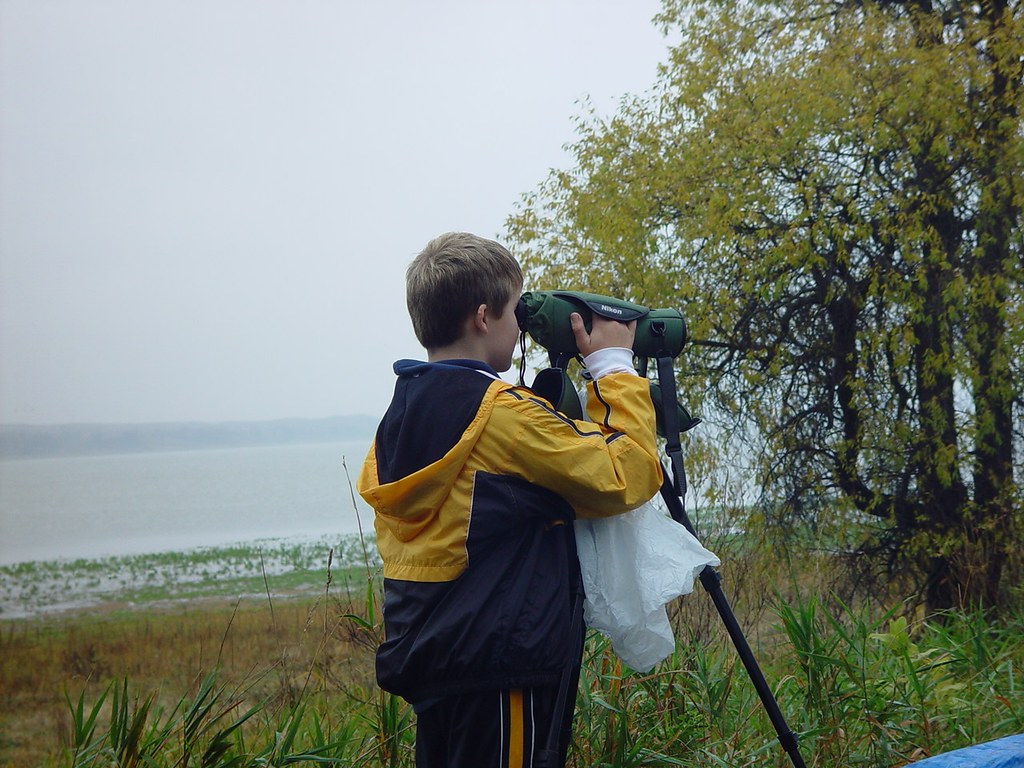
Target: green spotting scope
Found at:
x=544, y=315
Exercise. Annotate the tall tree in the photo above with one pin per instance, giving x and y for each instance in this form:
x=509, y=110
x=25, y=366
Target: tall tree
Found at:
x=832, y=189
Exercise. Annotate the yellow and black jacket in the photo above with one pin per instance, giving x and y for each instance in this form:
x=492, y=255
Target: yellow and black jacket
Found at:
x=474, y=483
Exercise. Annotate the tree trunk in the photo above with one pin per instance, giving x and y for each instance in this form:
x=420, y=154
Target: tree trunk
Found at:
x=991, y=531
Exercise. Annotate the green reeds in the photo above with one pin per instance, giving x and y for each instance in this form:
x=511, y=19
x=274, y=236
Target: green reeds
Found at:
x=881, y=690
x=204, y=731
x=861, y=689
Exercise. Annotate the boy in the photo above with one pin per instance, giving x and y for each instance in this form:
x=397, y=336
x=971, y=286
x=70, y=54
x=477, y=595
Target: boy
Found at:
x=475, y=483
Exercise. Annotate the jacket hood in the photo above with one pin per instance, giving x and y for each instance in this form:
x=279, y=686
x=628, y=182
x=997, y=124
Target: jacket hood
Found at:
x=434, y=421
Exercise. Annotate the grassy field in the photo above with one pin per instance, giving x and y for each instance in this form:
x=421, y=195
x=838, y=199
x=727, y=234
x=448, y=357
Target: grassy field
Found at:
x=268, y=619
x=283, y=674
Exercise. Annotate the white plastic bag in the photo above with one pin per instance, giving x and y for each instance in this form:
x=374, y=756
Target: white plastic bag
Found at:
x=633, y=564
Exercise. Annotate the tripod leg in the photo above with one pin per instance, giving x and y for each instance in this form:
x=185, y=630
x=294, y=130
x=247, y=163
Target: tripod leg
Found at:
x=673, y=491
x=712, y=583
x=711, y=580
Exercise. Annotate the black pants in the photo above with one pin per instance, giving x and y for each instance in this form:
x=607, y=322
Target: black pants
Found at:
x=492, y=729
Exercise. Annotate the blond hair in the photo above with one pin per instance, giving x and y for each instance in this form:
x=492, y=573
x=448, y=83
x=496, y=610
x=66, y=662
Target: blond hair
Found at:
x=451, y=278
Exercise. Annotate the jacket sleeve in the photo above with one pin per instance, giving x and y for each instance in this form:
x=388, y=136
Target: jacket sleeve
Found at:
x=602, y=467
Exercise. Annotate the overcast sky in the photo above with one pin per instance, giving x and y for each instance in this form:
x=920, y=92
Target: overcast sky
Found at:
x=207, y=206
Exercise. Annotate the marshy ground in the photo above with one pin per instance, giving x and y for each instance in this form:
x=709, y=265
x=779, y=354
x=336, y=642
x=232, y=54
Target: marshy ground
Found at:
x=150, y=661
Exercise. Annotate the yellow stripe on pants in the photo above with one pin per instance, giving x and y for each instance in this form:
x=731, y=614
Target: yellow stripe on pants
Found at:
x=515, y=727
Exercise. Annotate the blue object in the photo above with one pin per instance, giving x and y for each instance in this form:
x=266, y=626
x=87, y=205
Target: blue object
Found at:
x=1001, y=753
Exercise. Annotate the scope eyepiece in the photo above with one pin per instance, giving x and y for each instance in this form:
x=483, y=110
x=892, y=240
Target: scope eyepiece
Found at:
x=522, y=315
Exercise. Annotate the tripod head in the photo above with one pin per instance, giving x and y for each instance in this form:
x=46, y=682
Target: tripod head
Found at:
x=660, y=334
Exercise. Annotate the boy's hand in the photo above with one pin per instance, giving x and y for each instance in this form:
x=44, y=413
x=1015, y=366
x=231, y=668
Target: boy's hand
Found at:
x=604, y=333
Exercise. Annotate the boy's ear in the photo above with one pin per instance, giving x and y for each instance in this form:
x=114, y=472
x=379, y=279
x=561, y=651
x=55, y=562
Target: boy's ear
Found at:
x=480, y=318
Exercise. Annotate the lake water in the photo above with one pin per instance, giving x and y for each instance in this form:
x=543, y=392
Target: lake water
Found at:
x=95, y=506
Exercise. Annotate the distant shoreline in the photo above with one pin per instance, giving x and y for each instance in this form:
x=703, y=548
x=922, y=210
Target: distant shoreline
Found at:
x=32, y=441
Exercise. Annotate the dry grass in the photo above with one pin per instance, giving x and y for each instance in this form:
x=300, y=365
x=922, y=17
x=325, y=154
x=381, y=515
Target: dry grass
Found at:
x=276, y=651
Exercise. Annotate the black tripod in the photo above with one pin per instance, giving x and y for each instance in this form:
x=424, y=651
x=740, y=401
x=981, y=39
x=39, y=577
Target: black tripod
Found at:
x=673, y=491
x=553, y=384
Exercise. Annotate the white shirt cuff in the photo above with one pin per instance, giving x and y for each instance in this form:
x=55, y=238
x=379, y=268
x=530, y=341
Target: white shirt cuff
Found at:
x=609, y=360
